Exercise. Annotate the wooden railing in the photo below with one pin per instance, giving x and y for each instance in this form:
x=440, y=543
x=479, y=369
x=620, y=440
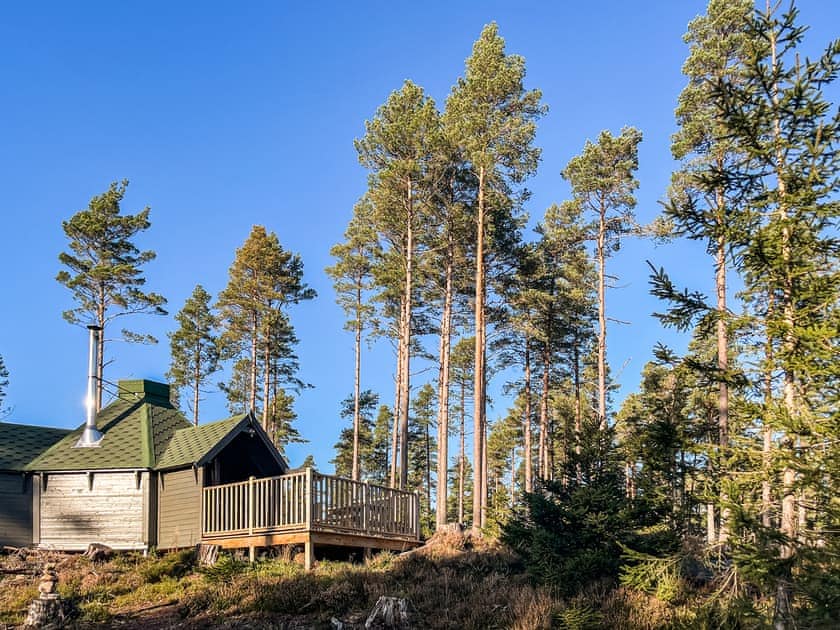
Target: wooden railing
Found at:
x=309, y=501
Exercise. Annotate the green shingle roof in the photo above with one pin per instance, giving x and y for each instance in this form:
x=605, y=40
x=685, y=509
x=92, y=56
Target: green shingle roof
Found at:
x=137, y=428
x=20, y=443
x=190, y=444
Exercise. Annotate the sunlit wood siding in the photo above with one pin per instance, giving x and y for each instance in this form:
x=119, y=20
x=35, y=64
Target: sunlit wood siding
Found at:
x=106, y=507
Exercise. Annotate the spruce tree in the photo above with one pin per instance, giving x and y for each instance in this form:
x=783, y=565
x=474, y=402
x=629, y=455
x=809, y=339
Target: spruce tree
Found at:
x=356, y=440
x=492, y=118
x=194, y=346
x=779, y=117
x=104, y=269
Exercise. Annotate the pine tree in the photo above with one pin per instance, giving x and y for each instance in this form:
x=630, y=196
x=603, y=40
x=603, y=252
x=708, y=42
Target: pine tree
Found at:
x=396, y=149
x=264, y=280
x=104, y=269
x=492, y=118
x=603, y=182
x=194, y=346
x=701, y=205
x=352, y=280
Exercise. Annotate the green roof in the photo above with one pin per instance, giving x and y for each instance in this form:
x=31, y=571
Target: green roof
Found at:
x=136, y=427
x=190, y=444
x=20, y=443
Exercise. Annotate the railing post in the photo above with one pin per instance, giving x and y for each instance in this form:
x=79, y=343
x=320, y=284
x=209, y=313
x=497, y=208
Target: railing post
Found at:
x=251, y=508
x=365, y=495
x=417, y=515
x=308, y=498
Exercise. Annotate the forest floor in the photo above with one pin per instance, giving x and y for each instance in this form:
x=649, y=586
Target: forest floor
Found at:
x=454, y=581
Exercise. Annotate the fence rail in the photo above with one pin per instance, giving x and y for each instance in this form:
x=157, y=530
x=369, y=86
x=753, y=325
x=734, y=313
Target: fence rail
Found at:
x=309, y=501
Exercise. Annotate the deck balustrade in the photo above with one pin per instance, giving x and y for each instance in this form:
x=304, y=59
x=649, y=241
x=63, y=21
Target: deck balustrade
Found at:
x=308, y=501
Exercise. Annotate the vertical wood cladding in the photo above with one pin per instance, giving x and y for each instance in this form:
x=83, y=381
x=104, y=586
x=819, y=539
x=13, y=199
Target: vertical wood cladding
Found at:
x=179, y=508
x=15, y=509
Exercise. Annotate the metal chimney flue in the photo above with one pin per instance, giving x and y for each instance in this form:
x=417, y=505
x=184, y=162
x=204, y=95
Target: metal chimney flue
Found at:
x=91, y=436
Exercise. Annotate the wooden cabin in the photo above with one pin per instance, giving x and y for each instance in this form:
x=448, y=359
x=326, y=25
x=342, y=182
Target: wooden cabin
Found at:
x=153, y=480
x=140, y=486
x=19, y=445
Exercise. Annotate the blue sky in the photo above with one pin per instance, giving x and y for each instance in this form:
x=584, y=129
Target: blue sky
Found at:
x=225, y=115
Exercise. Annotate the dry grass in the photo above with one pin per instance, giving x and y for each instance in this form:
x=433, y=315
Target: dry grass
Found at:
x=456, y=581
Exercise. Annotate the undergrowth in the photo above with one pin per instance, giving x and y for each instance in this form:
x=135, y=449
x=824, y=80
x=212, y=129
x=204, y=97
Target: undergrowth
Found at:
x=483, y=586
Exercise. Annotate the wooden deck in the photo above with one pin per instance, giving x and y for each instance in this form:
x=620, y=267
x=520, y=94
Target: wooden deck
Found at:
x=310, y=508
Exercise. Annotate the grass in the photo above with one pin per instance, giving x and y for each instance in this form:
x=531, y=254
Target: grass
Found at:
x=480, y=585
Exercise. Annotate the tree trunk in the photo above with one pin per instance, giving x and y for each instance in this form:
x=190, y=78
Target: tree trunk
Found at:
x=789, y=516
x=545, y=472
x=405, y=393
x=196, y=381
x=395, y=430
x=479, y=410
x=579, y=414
x=357, y=371
x=526, y=421
x=100, y=359
x=723, y=364
x=266, y=379
x=443, y=393
x=252, y=397
x=602, y=320
x=462, y=454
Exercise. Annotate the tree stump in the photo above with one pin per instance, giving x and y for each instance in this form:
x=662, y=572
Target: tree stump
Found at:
x=207, y=554
x=390, y=613
x=98, y=552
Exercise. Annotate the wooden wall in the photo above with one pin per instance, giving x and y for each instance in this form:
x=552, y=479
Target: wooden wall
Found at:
x=179, y=513
x=110, y=510
x=15, y=509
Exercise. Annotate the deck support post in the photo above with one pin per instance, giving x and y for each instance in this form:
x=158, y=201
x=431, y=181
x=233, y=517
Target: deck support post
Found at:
x=251, y=509
x=308, y=553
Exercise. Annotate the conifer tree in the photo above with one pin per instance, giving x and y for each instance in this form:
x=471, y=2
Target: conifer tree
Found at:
x=380, y=453
x=603, y=182
x=281, y=415
x=701, y=205
x=396, y=149
x=352, y=280
x=422, y=451
x=446, y=265
x=356, y=440
x=779, y=116
x=104, y=269
x=194, y=346
x=462, y=365
x=492, y=118
x=264, y=280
